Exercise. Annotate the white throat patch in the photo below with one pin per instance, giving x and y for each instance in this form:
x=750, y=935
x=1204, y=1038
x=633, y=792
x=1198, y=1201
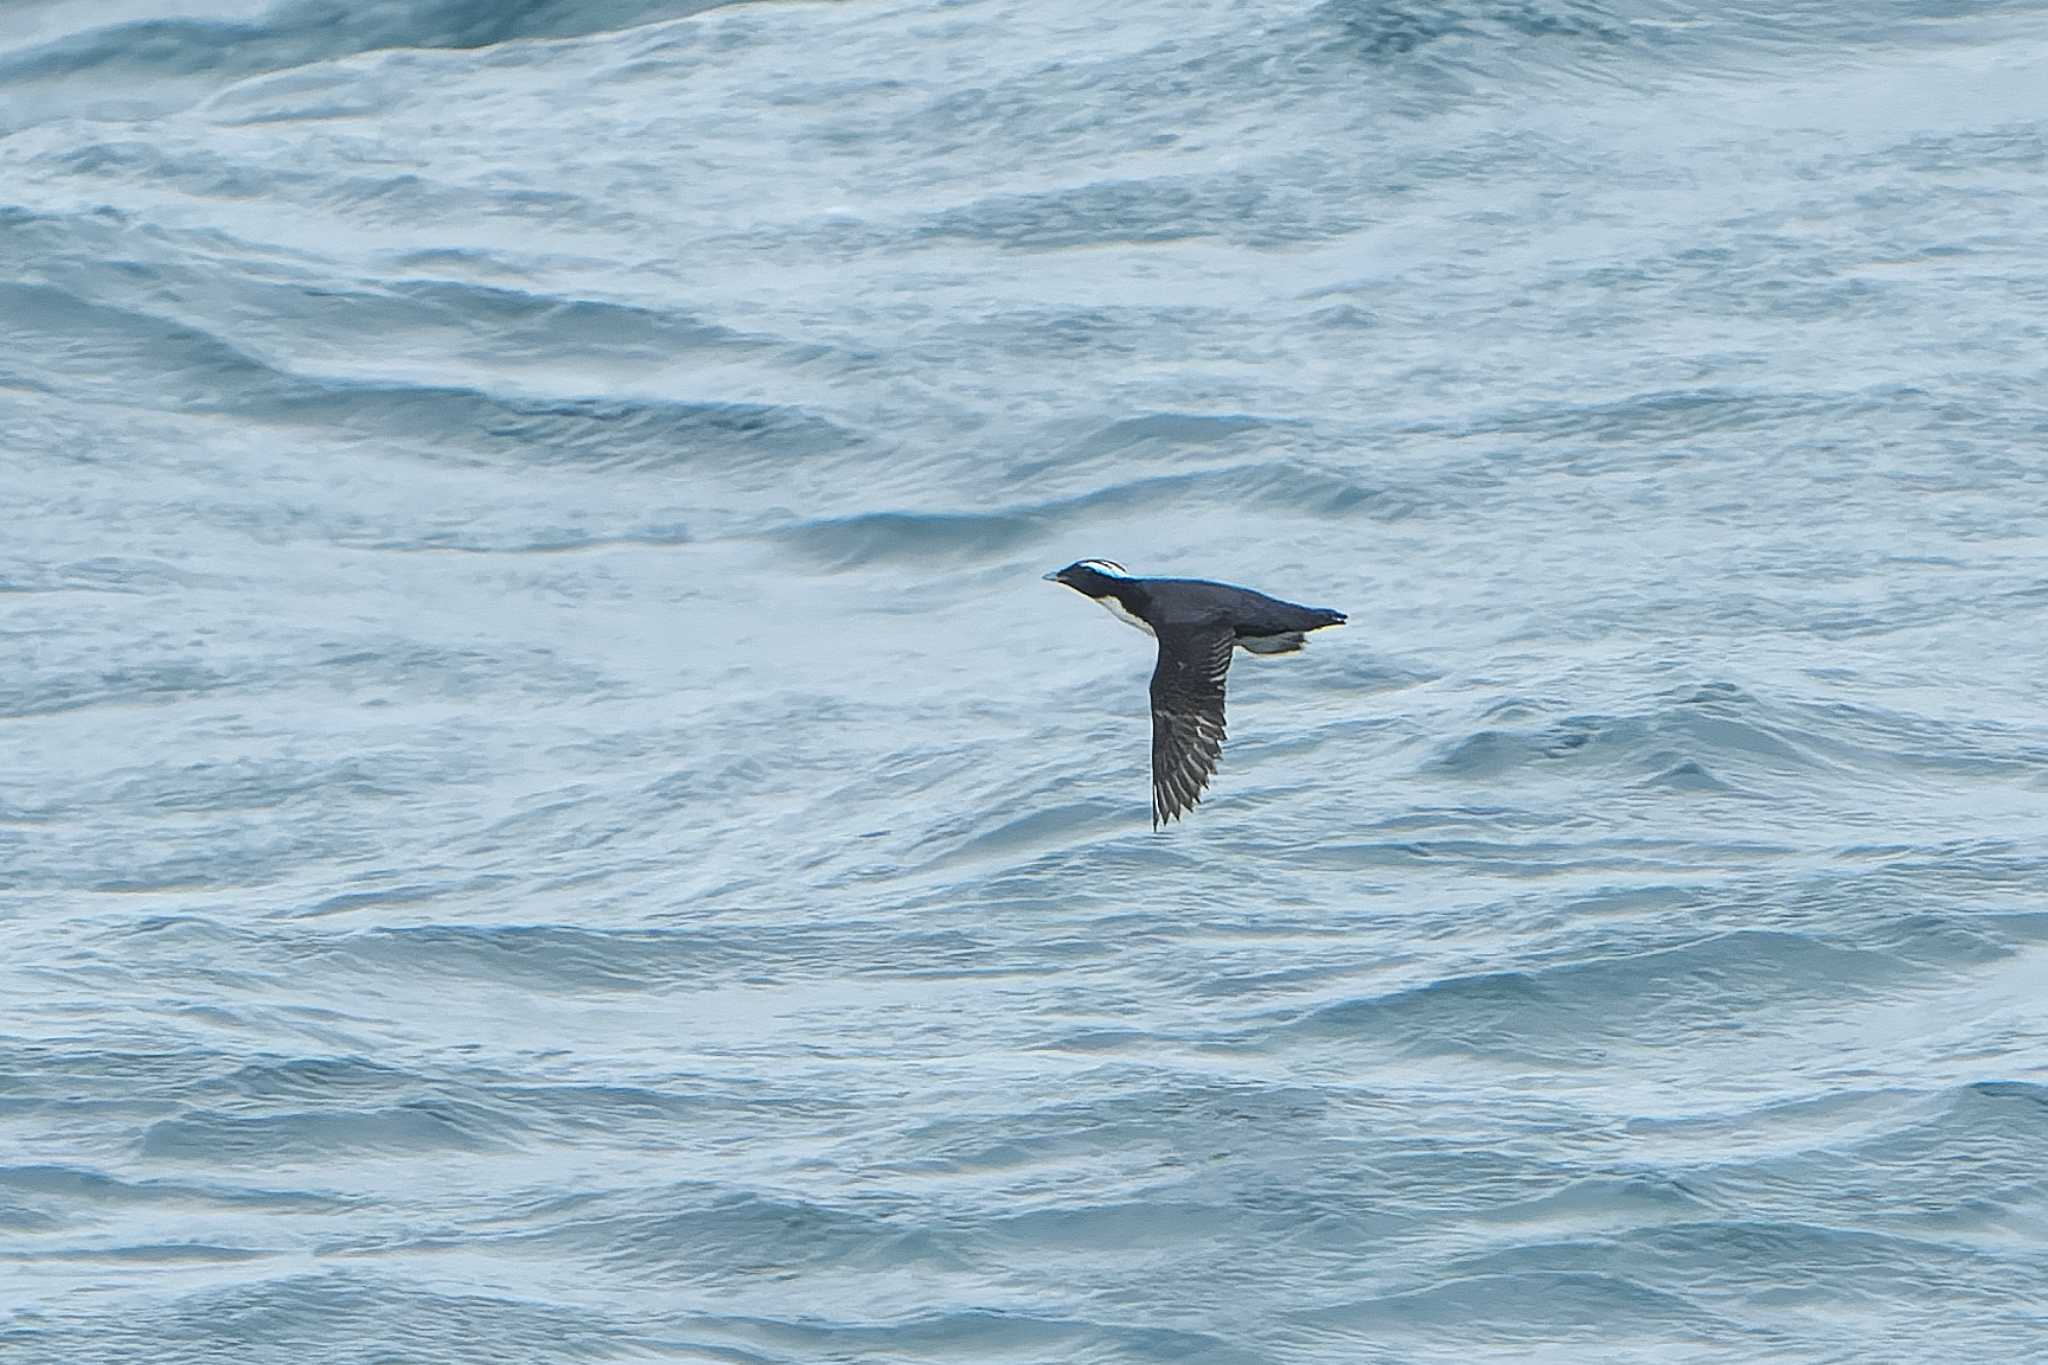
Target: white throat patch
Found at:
x=1123, y=614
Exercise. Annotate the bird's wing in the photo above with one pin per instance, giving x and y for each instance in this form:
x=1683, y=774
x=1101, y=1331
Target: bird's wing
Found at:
x=1187, y=715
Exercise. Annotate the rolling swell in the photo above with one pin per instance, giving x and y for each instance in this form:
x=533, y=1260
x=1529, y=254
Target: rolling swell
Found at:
x=1462, y=42
x=380, y=1312
x=192, y=370
x=152, y=67
x=548, y=814
x=880, y=539
x=1716, y=739
x=591, y=432
x=1152, y=211
x=88, y=345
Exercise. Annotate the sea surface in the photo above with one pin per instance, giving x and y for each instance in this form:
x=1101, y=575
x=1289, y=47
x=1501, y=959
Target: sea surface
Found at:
x=547, y=815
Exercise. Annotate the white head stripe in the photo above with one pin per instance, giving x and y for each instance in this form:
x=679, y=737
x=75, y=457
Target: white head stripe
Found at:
x=1106, y=566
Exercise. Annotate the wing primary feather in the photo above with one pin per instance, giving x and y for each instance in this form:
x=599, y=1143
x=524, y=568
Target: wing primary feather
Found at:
x=1187, y=715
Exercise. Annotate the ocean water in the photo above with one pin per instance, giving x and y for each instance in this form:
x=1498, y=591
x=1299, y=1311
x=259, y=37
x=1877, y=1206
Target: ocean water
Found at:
x=547, y=814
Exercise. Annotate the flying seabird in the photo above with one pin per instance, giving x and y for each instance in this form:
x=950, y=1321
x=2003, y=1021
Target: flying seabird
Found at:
x=1197, y=623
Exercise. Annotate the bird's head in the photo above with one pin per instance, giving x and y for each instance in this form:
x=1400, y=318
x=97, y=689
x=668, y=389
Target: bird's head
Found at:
x=1095, y=578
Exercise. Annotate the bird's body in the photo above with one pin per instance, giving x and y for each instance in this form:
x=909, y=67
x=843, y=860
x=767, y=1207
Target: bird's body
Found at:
x=1197, y=623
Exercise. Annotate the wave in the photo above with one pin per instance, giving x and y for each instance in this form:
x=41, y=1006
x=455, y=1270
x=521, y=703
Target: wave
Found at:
x=1718, y=739
x=880, y=539
x=126, y=353
x=115, y=354
x=424, y=1126
x=597, y=433
x=381, y=1316
x=153, y=684
x=556, y=541
x=366, y=662
x=150, y=67
x=148, y=1254
x=1599, y=1203
x=707, y=1230
x=353, y=1108
x=1390, y=32
x=569, y=959
x=111, y=334
x=545, y=957
x=123, y=575
x=1658, y=418
x=1466, y=49
x=1169, y=431
x=77, y=1189
x=1488, y=1010
x=529, y=327
x=964, y=1334
x=1572, y=1011
x=1997, y=1127
x=906, y=537
x=1151, y=212
x=1539, y=1309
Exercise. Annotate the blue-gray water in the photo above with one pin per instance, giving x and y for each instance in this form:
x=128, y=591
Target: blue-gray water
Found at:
x=547, y=814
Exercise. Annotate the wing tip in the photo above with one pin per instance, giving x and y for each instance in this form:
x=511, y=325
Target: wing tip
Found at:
x=1167, y=807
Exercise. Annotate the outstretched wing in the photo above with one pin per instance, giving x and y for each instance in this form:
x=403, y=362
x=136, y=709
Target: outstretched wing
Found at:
x=1187, y=715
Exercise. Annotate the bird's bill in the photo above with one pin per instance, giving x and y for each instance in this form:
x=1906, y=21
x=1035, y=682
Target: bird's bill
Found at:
x=1052, y=577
